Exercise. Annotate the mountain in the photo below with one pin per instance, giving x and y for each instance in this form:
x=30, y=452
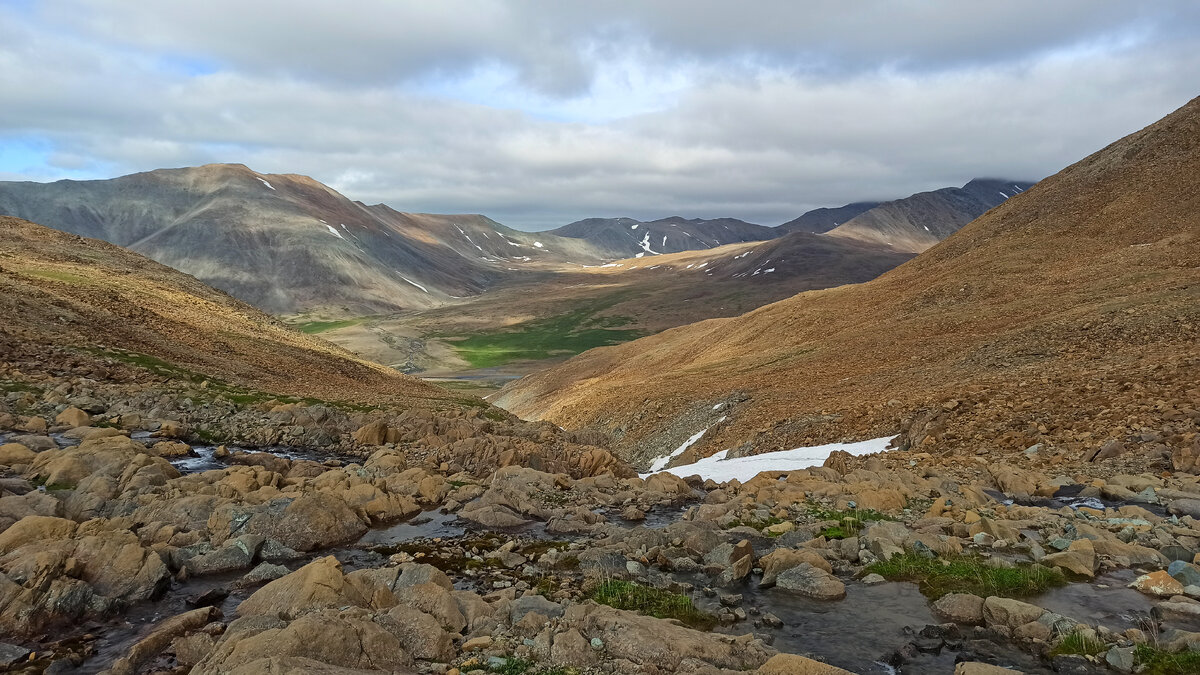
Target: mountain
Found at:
x=825, y=219
x=68, y=299
x=626, y=237
x=1062, y=321
x=919, y=221
x=287, y=243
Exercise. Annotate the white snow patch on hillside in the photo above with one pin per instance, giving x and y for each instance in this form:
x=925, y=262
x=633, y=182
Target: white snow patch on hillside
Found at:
x=926, y=228
x=664, y=241
x=720, y=469
x=613, y=265
x=264, y=182
x=645, y=244
x=638, y=255
x=661, y=462
x=414, y=283
x=538, y=244
x=633, y=227
x=768, y=270
x=333, y=231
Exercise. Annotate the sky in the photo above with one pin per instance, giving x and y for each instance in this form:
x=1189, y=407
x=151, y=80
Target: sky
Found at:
x=541, y=112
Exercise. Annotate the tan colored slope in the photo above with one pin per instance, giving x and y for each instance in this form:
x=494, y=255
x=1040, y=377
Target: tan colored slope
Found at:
x=67, y=299
x=1066, y=316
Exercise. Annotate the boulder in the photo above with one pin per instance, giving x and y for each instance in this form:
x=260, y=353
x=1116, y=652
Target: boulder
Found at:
x=73, y=417
x=811, y=582
x=1159, y=584
x=792, y=664
x=1009, y=613
x=14, y=453
x=782, y=559
x=961, y=608
x=318, y=585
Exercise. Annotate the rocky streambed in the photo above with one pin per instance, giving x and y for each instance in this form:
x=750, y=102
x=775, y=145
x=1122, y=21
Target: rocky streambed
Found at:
x=130, y=551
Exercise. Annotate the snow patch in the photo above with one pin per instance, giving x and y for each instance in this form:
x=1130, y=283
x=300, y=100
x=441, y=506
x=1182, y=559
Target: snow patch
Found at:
x=414, y=283
x=633, y=227
x=333, y=231
x=645, y=244
x=720, y=469
x=640, y=254
x=538, y=244
x=264, y=182
x=660, y=463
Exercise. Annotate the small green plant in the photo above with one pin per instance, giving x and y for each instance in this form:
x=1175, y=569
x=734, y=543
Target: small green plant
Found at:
x=967, y=574
x=755, y=523
x=850, y=522
x=1078, y=643
x=1155, y=661
x=653, y=602
x=512, y=666
x=838, y=532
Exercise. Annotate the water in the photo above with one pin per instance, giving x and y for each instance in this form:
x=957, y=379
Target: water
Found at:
x=427, y=525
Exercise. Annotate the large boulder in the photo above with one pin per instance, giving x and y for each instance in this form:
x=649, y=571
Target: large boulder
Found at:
x=318, y=585
x=311, y=521
x=792, y=664
x=811, y=582
x=783, y=559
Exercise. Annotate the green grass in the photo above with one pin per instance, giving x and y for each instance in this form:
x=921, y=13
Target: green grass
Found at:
x=850, y=522
x=564, y=334
x=313, y=327
x=1158, y=662
x=1078, y=643
x=653, y=602
x=964, y=574
x=56, y=275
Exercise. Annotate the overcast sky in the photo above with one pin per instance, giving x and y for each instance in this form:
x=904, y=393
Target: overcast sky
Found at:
x=538, y=113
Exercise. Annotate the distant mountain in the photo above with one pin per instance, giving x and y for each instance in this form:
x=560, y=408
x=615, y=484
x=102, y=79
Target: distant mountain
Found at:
x=824, y=220
x=287, y=243
x=919, y=221
x=1064, y=318
x=626, y=237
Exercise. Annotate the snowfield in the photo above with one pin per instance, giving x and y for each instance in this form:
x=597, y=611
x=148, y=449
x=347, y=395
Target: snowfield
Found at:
x=743, y=469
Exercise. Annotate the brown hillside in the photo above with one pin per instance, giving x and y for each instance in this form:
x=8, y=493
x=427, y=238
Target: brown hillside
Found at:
x=67, y=299
x=1067, y=316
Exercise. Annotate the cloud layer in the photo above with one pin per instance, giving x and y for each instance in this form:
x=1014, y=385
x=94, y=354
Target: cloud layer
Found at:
x=540, y=113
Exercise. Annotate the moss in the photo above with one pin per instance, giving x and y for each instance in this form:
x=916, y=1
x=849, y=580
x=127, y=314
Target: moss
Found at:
x=967, y=574
x=653, y=602
x=1154, y=661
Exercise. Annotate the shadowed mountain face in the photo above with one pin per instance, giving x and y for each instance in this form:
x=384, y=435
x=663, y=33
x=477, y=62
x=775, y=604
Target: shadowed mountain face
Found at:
x=626, y=237
x=1027, y=326
x=69, y=299
x=286, y=243
x=919, y=221
x=824, y=220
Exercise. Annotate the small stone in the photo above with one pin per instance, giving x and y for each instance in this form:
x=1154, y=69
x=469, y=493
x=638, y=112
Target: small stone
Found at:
x=872, y=579
x=597, y=644
x=482, y=642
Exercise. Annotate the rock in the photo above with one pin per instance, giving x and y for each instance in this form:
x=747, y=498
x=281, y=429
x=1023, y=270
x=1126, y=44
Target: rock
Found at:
x=782, y=559
x=210, y=598
x=318, y=585
x=1184, y=572
x=372, y=433
x=977, y=668
x=780, y=528
x=572, y=649
x=1009, y=613
x=1159, y=584
x=1079, y=559
x=811, y=582
x=314, y=520
x=1121, y=659
x=235, y=554
x=35, y=528
x=163, y=635
x=73, y=417
x=534, y=603
x=11, y=655
x=633, y=513
x=481, y=642
x=15, y=453
x=961, y=608
x=420, y=634
x=1185, y=507
x=873, y=579
x=792, y=664
x=263, y=573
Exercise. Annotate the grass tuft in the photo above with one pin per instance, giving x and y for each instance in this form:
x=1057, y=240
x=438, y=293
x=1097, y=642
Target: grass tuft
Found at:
x=652, y=602
x=967, y=574
x=1078, y=643
x=1155, y=661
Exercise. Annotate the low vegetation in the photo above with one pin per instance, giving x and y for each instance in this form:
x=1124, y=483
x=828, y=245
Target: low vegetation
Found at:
x=314, y=327
x=850, y=521
x=1154, y=661
x=652, y=602
x=1078, y=643
x=967, y=574
x=564, y=334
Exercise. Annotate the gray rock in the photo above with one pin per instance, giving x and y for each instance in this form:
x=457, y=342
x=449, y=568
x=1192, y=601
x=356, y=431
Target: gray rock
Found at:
x=262, y=574
x=534, y=603
x=811, y=582
x=961, y=608
x=12, y=654
x=1184, y=572
x=1185, y=507
x=236, y=554
x=872, y=579
x=1120, y=659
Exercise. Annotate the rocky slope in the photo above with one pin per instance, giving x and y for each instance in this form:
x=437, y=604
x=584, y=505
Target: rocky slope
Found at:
x=825, y=219
x=920, y=221
x=286, y=243
x=1063, y=319
x=626, y=237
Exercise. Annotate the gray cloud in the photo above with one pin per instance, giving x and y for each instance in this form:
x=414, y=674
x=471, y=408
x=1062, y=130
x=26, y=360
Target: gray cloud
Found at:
x=539, y=113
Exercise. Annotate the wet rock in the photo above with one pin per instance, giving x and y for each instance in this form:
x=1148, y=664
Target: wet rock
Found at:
x=209, y=598
x=1184, y=572
x=977, y=668
x=793, y=664
x=962, y=608
x=633, y=513
x=1158, y=584
x=1009, y=613
x=160, y=638
x=811, y=582
x=262, y=574
x=12, y=654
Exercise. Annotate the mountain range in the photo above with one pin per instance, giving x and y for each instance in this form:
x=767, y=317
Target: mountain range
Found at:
x=288, y=244
x=1023, y=331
